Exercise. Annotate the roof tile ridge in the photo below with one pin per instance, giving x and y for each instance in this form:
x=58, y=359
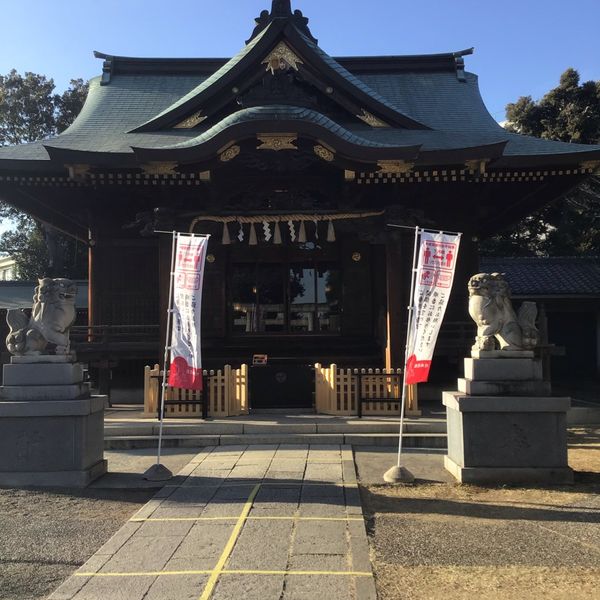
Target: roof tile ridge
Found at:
x=354, y=80
x=209, y=81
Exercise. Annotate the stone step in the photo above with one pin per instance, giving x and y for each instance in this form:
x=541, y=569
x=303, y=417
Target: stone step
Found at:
x=355, y=427
x=410, y=440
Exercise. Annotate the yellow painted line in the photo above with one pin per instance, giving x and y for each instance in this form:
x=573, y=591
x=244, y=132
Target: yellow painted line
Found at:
x=212, y=581
x=345, y=573
x=167, y=519
x=144, y=574
x=305, y=519
x=273, y=518
x=224, y=572
x=270, y=483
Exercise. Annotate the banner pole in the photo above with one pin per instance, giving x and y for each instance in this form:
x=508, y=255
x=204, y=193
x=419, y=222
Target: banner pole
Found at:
x=159, y=472
x=409, y=329
x=395, y=474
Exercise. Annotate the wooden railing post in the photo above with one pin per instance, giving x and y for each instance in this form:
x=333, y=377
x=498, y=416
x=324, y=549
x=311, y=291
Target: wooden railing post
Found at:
x=243, y=389
x=230, y=405
x=321, y=397
x=151, y=388
x=333, y=389
x=412, y=401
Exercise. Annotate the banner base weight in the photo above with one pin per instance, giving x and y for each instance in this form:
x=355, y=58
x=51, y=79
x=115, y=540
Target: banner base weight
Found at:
x=158, y=472
x=398, y=475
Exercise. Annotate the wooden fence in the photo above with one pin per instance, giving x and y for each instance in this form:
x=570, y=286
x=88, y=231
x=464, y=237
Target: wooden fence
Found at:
x=337, y=393
x=227, y=391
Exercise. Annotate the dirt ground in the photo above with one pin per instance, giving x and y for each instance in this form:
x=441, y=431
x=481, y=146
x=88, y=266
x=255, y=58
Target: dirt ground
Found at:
x=428, y=541
x=448, y=541
x=47, y=534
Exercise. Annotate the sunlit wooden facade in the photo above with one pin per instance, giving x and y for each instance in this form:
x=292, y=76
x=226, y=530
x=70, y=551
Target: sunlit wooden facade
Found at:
x=294, y=162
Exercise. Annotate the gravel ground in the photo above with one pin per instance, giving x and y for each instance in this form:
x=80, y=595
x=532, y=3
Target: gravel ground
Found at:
x=447, y=541
x=428, y=541
x=47, y=534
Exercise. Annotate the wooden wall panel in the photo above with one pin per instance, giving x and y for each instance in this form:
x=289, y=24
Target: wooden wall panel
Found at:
x=357, y=317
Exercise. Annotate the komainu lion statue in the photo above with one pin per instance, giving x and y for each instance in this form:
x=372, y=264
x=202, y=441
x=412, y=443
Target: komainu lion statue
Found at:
x=498, y=327
x=52, y=314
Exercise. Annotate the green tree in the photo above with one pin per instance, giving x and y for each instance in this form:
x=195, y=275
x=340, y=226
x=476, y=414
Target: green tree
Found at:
x=30, y=111
x=569, y=226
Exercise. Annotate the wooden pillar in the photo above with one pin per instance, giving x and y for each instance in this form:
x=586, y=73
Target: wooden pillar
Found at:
x=396, y=305
x=98, y=283
x=165, y=245
x=598, y=343
x=91, y=285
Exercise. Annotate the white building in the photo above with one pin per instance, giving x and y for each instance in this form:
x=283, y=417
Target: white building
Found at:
x=8, y=269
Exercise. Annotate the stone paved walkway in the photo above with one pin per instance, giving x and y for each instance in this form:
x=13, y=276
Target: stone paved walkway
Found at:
x=241, y=522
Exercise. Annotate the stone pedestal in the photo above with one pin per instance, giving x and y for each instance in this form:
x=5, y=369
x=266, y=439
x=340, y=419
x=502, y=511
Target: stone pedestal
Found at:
x=503, y=425
x=51, y=429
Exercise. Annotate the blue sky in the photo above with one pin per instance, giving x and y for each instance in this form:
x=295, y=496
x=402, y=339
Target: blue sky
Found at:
x=521, y=47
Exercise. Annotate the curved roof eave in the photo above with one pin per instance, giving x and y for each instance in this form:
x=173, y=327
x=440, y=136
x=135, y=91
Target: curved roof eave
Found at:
x=226, y=74
x=256, y=50
x=344, y=142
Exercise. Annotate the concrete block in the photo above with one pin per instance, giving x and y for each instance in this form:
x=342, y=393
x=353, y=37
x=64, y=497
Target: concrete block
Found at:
x=326, y=537
x=294, y=438
x=253, y=587
x=24, y=393
x=43, y=374
x=280, y=428
x=46, y=448
x=513, y=439
x=72, y=478
x=486, y=475
x=409, y=440
x=273, y=556
x=42, y=359
x=504, y=354
x=204, y=428
x=583, y=415
x=129, y=429
x=58, y=408
x=503, y=369
x=465, y=403
x=357, y=426
x=504, y=388
x=317, y=586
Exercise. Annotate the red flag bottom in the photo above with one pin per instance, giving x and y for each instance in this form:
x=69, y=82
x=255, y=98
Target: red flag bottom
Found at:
x=183, y=376
x=417, y=371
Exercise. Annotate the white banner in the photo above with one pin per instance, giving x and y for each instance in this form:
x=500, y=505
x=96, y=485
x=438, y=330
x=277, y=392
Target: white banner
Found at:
x=186, y=360
x=433, y=283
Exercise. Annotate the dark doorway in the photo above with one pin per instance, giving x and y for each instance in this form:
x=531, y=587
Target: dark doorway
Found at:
x=281, y=387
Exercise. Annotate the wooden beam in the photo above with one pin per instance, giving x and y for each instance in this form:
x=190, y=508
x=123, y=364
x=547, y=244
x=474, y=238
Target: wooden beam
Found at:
x=396, y=305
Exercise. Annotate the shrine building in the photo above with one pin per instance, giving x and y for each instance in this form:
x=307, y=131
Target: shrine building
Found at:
x=296, y=163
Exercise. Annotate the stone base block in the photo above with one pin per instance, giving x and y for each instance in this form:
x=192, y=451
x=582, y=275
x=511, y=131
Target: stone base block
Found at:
x=502, y=354
x=25, y=393
x=43, y=374
x=517, y=439
x=54, y=443
x=503, y=369
x=75, y=479
x=504, y=388
x=43, y=358
x=558, y=476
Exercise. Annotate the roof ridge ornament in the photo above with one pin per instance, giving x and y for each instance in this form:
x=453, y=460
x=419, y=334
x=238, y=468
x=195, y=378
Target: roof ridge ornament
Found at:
x=282, y=9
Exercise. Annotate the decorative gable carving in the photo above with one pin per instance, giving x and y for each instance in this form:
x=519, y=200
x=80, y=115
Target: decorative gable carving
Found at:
x=191, y=121
x=371, y=120
x=281, y=58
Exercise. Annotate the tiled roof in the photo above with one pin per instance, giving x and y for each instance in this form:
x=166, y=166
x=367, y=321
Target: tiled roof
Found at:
x=537, y=276
x=451, y=107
